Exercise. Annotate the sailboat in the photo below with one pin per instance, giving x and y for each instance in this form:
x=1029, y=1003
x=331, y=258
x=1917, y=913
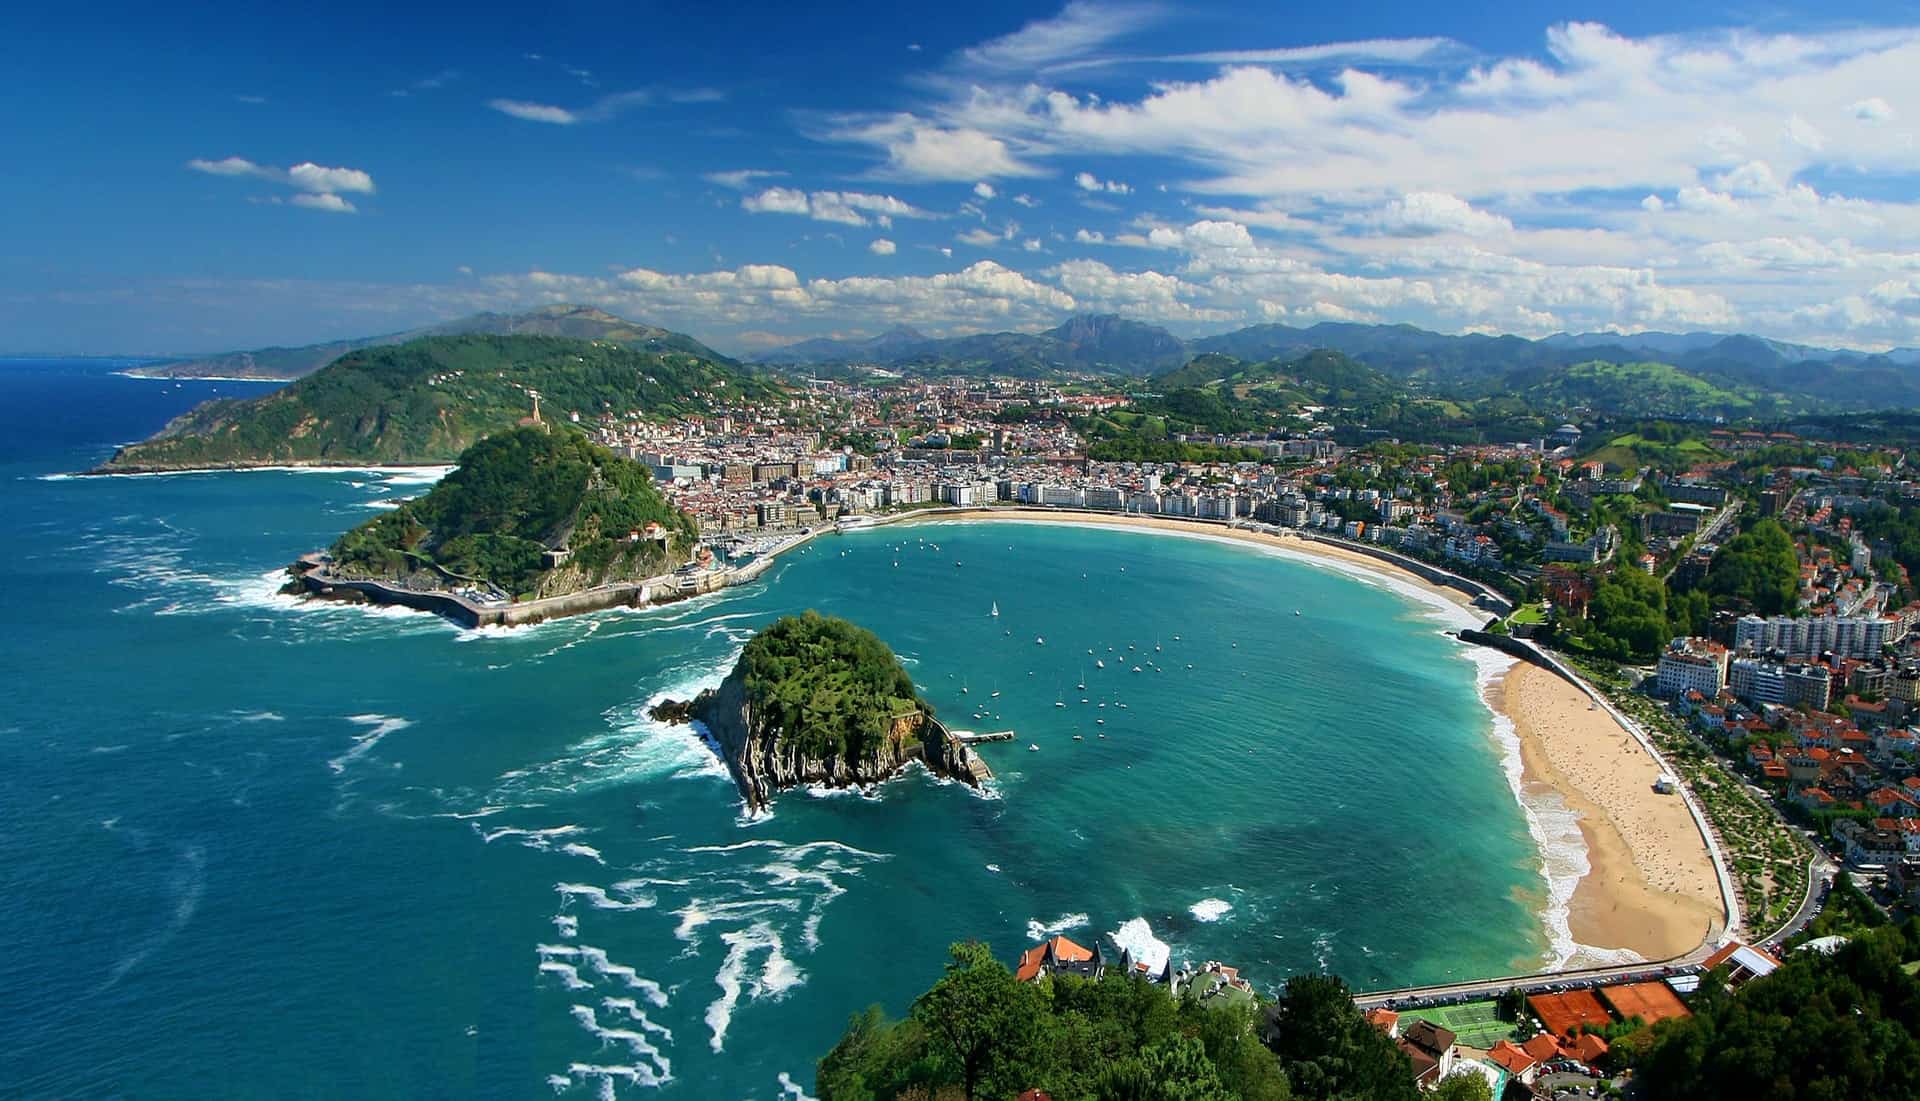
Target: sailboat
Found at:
x=996, y=609
x=1082, y=686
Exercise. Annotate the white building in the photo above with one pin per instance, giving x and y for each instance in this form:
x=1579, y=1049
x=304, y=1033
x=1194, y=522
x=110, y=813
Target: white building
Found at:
x=1808, y=636
x=1692, y=665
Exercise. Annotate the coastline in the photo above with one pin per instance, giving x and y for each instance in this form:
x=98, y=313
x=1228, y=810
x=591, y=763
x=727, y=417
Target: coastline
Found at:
x=1628, y=877
x=1327, y=553
x=1649, y=886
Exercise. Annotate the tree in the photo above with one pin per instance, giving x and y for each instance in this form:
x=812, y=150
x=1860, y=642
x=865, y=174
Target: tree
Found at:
x=1329, y=1051
x=984, y=1021
x=1821, y=1028
x=1759, y=567
x=1462, y=1086
x=1175, y=1069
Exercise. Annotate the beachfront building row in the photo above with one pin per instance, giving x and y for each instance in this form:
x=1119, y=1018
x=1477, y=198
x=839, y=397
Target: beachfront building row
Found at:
x=1810, y=636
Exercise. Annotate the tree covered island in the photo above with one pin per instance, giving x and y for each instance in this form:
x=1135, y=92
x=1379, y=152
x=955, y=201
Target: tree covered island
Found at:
x=816, y=699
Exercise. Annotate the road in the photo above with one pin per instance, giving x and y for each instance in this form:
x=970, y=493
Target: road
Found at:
x=1533, y=984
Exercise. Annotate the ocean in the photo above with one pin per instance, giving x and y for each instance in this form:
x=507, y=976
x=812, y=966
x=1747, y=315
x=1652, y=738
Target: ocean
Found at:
x=250, y=847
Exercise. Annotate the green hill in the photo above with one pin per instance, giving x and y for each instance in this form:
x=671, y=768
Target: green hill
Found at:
x=514, y=497
x=1319, y=377
x=428, y=400
x=1639, y=389
x=576, y=322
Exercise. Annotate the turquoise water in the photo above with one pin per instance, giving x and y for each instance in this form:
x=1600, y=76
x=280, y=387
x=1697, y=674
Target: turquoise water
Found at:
x=253, y=848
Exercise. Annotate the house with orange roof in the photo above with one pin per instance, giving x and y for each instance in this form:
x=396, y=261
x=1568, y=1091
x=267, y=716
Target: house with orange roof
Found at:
x=1386, y=1020
x=1543, y=1048
x=1059, y=956
x=1513, y=1059
x=1589, y=1048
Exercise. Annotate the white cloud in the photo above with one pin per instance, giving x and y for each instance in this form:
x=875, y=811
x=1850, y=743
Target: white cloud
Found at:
x=1090, y=237
x=1080, y=28
x=739, y=179
x=920, y=150
x=1087, y=181
x=1423, y=213
x=1026, y=200
x=1871, y=109
x=229, y=166
x=1032, y=244
x=984, y=190
x=852, y=208
x=319, y=185
x=331, y=203
x=308, y=176
x=534, y=112
x=880, y=246
x=600, y=110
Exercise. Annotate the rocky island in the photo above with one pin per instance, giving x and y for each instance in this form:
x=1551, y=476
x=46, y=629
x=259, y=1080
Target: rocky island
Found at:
x=536, y=514
x=817, y=700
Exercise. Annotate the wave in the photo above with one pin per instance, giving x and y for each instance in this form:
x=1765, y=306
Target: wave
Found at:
x=777, y=975
x=574, y=848
x=791, y=1089
x=186, y=884
x=1554, y=827
x=632, y=1009
x=1135, y=937
x=379, y=727
x=599, y=899
x=567, y=972
x=1210, y=910
x=1039, y=930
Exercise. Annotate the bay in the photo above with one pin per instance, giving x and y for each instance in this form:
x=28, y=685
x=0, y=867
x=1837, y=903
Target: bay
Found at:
x=250, y=847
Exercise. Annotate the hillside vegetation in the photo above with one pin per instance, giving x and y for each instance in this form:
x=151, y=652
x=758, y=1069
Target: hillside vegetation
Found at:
x=428, y=400
x=830, y=687
x=514, y=496
x=573, y=322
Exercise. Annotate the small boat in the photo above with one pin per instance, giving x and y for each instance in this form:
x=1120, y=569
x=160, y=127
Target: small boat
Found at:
x=1038, y=641
x=1156, y=647
x=1121, y=706
x=1189, y=665
x=1099, y=665
x=996, y=609
x=1031, y=748
x=1102, y=722
x=1079, y=738
x=1136, y=668
x=1296, y=611
x=1059, y=703
x=1102, y=703
x=1103, y=735
x=1089, y=649
x=996, y=693
x=956, y=565
x=1176, y=638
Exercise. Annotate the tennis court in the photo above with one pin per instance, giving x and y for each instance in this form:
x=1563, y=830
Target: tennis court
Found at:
x=1477, y=1024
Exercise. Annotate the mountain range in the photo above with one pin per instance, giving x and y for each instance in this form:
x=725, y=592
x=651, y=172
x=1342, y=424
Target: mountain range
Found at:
x=576, y=322
x=1469, y=365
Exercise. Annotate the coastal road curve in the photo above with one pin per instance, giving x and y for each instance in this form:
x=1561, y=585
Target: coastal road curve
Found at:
x=1531, y=984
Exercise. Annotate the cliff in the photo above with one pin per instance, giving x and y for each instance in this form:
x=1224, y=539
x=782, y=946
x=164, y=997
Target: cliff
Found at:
x=763, y=761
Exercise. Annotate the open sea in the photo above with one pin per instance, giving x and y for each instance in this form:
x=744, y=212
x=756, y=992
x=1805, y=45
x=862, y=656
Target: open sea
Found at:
x=253, y=848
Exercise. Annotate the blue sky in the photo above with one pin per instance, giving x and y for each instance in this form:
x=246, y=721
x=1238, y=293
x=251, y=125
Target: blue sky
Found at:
x=228, y=176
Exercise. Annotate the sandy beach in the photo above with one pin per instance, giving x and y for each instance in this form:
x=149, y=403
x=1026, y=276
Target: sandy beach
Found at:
x=1651, y=886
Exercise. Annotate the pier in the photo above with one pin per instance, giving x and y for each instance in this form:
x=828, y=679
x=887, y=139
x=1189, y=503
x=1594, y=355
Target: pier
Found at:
x=969, y=737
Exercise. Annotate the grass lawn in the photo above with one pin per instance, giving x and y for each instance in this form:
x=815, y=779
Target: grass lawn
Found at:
x=1530, y=613
x=1477, y=1024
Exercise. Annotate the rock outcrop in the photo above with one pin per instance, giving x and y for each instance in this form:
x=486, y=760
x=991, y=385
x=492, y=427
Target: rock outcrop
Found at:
x=765, y=760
